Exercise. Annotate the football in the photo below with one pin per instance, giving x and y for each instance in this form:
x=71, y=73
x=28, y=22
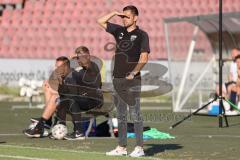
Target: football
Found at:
x=59, y=131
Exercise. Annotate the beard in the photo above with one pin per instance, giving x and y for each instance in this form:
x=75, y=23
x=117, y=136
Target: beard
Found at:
x=128, y=24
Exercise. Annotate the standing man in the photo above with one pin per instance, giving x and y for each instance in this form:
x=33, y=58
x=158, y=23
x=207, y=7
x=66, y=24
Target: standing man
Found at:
x=132, y=49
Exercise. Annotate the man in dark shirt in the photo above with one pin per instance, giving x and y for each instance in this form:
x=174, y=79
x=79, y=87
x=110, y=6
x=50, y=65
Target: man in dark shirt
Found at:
x=132, y=49
x=78, y=91
x=83, y=96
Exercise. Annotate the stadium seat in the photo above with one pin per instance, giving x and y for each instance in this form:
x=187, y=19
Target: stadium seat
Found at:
x=10, y=1
x=76, y=22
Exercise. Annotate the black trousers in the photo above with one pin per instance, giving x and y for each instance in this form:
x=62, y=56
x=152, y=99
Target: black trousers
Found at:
x=75, y=105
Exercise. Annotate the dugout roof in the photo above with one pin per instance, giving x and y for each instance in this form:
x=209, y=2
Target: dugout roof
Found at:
x=209, y=24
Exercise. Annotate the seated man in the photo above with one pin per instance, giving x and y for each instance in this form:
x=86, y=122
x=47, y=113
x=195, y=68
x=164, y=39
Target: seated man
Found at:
x=84, y=96
x=235, y=89
x=61, y=73
x=226, y=89
x=71, y=84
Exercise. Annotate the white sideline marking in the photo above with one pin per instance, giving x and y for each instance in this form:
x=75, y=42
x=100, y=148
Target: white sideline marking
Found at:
x=93, y=138
x=21, y=157
x=63, y=150
x=6, y=134
x=226, y=136
x=47, y=149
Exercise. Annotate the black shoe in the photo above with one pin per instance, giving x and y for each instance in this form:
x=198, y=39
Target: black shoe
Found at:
x=35, y=132
x=47, y=125
x=76, y=135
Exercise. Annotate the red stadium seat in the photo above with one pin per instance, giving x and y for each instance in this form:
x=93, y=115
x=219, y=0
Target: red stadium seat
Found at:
x=56, y=27
x=10, y=1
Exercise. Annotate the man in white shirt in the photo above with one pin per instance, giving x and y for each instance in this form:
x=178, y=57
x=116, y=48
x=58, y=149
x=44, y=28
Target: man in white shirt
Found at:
x=233, y=76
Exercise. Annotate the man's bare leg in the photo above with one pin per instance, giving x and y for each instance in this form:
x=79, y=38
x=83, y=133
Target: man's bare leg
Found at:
x=50, y=101
x=50, y=107
x=224, y=92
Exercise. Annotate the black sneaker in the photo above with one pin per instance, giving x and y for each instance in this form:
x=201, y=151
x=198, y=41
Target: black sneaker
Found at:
x=35, y=132
x=76, y=135
x=47, y=125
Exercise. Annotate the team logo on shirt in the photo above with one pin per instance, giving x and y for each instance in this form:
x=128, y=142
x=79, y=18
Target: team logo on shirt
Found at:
x=133, y=37
x=121, y=36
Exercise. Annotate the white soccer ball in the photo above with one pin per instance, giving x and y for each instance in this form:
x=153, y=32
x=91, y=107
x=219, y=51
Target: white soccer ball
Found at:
x=59, y=131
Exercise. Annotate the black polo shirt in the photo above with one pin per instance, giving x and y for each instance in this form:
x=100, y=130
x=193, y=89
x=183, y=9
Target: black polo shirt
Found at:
x=129, y=46
x=86, y=80
x=90, y=77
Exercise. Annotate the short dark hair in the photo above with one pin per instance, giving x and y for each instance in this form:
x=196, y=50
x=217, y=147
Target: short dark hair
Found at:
x=82, y=49
x=132, y=8
x=63, y=59
x=237, y=48
x=237, y=57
